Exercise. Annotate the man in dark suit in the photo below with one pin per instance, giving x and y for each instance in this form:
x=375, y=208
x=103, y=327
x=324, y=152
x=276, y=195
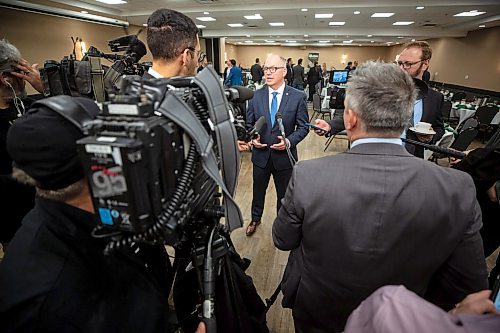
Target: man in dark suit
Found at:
x=256, y=71
x=269, y=156
x=298, y=75
x=415, y=59
x=375, y=215
x=172, y=55
x=289, y=74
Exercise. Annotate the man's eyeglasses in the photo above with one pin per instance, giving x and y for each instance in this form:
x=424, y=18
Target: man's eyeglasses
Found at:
x=201, y=55
x=406, y=64
x=271, y=69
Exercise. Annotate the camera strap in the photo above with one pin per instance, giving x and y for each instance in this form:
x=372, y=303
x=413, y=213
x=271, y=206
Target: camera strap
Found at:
x=97, y=78
x=68, y=108
x=175, y=109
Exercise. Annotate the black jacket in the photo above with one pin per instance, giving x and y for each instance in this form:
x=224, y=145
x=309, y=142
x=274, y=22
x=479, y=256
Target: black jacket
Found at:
x=257, y=73
x=55, y=278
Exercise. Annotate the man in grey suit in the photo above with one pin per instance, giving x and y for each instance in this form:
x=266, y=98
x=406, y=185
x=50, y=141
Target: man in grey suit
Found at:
x=376, y=215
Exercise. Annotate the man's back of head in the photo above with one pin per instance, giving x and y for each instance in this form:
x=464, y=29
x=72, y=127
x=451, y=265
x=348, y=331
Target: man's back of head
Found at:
x=173, y=41
x=382, y=97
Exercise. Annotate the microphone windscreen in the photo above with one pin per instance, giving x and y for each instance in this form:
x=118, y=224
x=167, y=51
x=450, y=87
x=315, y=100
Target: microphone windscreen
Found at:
x=244, y=93
x=278, y=115
x=259, y=123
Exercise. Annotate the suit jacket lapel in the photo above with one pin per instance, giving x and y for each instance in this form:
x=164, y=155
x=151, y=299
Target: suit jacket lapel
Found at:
x=265, y=106
x=284, y=100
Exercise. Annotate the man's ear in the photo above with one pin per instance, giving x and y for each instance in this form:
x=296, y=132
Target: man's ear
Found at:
x=185, y=57
x=350, y=119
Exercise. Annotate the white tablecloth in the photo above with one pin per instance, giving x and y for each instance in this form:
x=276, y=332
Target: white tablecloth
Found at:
x=467, y=113
x=326, y=102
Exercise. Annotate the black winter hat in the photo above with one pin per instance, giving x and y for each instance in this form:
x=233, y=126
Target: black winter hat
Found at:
x=42, y=143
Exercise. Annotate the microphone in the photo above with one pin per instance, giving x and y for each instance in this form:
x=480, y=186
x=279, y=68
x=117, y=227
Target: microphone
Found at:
x=239, y=94
x=279, y=119
x=437, y=149
x=256, y=128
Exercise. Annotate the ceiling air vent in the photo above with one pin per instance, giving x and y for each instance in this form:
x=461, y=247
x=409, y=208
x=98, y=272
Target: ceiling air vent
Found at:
x=429, y=25
x=252, y=26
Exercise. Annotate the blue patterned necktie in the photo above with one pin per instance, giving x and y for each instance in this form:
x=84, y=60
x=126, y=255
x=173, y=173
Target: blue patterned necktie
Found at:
x=274, y=108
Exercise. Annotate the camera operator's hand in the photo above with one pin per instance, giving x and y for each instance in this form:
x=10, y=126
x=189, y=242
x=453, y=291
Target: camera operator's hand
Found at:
x=282, y=144
x=256, y=143
x=477, y=303
x=30, y=74
x=322, y=124
x=201, y=328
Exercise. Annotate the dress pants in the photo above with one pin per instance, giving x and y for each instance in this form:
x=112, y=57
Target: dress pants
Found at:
x=261, y=178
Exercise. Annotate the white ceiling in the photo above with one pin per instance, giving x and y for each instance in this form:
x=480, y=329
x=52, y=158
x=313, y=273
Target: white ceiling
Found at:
x=435, y=20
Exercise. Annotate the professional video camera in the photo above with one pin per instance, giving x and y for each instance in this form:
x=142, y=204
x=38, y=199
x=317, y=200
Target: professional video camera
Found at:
x=89, y=77
x=158, y=159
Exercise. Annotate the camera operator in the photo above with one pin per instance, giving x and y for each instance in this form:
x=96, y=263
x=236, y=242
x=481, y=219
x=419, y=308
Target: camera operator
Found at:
x=17, y=199
x=174, y=43
x=55, y=277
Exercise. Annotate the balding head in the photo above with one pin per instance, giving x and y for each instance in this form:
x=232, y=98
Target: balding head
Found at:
x=275, y=71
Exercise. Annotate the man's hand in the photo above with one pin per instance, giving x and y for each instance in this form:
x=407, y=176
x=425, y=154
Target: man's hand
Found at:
x=425, y=138
x=281, y=145
x=201, y=328
x=256, y=143
x=244, y=146
x=477, y=303
x=30, y=74
x=321, y=124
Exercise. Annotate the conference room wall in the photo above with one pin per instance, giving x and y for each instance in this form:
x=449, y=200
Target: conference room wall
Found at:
x=42, y=37
x=332, y=56
x=476, y=55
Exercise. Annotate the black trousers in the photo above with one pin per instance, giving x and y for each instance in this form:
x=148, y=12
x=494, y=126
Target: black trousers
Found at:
x=261, y=178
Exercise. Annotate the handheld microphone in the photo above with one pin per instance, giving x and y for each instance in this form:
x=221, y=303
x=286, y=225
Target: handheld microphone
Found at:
x=257, y=126
x=437, y=149
x=279, y=119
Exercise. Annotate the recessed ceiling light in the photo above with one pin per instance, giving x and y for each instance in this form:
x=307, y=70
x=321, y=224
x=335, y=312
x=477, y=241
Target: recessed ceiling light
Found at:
x=482, y=26
x=336, y=23
x=247, y=35
x=206, y=13
x=369, y=35
x=304, y=10
x=372, y=41
x=357, y=12
x=307, y=40
x=413, y=40
x=389, y=42
x=253, y=17
x=249, y=41
x=420, y=7
x=320, y=16
x=403, y=23
x=306, y=35
x=144, y=24
x=347, y=41
x=277, y=24
x=205, y=18
x=112, y=2
x=470, y=13
x=200, y=26
x=235, y=25
x=291, y=41
x=400, y=37
x=84, y=12
x=323, y=41
x=382, y=14
x=269, y=41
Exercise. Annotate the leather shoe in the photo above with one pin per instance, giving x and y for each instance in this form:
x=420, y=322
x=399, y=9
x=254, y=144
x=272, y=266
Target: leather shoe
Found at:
x=252, y=227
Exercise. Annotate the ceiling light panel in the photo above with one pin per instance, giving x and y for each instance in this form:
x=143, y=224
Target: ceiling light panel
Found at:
x=235, y=25
x=357, y=12
x=382, y=14
x=206, y=19
x=403, y=23
x=199, y=26
x=112, y=2
x=471, y=13
x=420, y=7
x=253, y=17
x=277, y=24
x=321, y=16
x=337, y=23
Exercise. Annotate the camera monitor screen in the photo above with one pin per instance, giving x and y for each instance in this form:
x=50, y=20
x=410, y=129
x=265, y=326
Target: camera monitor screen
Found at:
x=339, y=76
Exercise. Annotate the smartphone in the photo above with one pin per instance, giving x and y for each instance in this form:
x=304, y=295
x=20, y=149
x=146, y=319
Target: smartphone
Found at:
x=495, y=295
x=316, y=128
